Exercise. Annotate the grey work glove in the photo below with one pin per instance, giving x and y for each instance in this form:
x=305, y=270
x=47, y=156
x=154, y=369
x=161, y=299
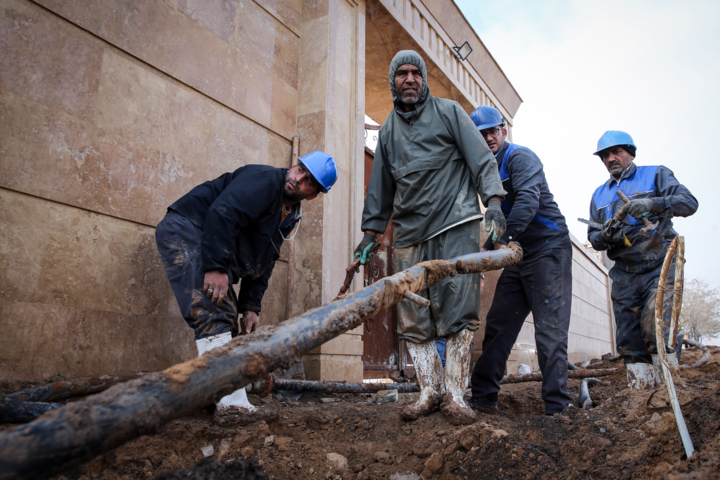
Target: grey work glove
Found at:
x=640, y=207
x=612, y=232
x=362, y=251
x=495, y=220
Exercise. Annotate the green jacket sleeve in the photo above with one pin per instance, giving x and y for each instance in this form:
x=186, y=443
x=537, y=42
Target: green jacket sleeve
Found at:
x=380, y=194
x=477, y=155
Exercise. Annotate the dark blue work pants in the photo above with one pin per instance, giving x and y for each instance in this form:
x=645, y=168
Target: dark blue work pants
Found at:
x=541, y=285
x=634, y=296
x=178, y=241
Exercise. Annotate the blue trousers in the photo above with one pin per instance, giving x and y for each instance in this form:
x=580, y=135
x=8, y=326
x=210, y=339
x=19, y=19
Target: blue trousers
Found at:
x=178, y=241
x=541, y=285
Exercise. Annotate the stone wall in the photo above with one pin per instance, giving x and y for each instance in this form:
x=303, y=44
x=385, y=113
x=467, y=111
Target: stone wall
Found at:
x=109, y=112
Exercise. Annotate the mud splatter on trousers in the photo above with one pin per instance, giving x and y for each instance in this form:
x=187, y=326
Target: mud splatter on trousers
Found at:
x=178, y=242
x=455, y=301
x=633, y=297
x=541, y=285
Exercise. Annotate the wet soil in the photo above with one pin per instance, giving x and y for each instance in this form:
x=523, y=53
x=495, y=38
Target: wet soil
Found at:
x=629, y=434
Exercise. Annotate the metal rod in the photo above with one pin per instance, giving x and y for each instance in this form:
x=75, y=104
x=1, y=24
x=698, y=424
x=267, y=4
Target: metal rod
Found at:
x=678, y=244
x=677, y=296
x=537, y=376
x=81, y=430
x=414, y=297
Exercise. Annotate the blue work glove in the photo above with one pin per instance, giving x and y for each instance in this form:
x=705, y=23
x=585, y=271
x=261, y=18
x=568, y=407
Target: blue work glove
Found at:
x=362, y=251
x=640, y=207
x=495, y=220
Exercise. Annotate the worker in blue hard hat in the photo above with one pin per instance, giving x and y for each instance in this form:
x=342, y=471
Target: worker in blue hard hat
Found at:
x=430, y=172
x=540, y=284
x=638, y=253
x=231, y=229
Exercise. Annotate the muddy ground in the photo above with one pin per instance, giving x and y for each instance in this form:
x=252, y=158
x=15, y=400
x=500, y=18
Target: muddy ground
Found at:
x=629, y=434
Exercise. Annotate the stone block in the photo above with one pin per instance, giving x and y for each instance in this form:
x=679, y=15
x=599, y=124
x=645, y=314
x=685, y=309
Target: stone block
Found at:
x=334, y=368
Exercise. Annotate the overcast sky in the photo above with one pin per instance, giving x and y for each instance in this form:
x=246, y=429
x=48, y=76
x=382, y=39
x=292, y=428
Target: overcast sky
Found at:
x=650, y=68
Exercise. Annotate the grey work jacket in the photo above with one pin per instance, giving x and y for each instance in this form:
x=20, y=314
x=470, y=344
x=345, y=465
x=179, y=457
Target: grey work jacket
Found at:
x=430, y=165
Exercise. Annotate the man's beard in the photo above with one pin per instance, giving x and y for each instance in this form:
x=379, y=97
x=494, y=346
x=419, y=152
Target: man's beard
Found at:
x=292, y=197
x=410, y=99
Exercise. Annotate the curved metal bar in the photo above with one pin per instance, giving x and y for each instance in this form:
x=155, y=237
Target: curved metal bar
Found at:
x=678, y=244
x=79, y=431
x=678, y=293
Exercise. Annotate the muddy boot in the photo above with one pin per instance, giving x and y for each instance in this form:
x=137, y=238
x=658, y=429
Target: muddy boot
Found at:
x=456, y=411
x=429, y=371
x=237, y=401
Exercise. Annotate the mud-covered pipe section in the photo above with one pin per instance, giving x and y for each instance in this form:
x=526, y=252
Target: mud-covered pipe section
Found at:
x=79, y=431
x=280, y=384
x=537, y=376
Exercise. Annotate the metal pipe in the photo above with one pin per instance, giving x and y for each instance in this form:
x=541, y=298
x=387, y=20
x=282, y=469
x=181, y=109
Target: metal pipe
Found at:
x=585, y=400
x=677, y=245
x=677, y=296
x=702, y=361
x=281, y=384
x=537, y=376
x=414, y=297
x=18, y=411
x=81, y=430
x=70, y=388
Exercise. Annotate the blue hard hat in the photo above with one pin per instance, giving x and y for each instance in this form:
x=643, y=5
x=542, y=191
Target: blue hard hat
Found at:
x=323, y=168
x=486, y=117
x=612, y=138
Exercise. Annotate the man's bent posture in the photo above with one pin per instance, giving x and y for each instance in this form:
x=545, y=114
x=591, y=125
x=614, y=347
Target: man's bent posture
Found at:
x=231, y=229
x=430, y=165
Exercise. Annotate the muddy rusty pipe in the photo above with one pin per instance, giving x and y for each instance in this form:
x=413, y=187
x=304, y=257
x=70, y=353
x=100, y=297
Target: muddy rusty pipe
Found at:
x=537, y=376
x=676, y=247
x=70, y=388
x=274, y=384
x=79, y=431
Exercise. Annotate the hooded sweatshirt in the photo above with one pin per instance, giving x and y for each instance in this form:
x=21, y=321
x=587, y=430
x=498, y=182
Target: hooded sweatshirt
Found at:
x=430, y=165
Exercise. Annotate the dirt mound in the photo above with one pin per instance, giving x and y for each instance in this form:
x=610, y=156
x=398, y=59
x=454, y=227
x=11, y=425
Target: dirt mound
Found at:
x=629, y=434
x=210, y=468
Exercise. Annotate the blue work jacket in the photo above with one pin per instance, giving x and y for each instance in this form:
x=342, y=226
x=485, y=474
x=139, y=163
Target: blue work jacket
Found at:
x=533, y=218
x=670, y=199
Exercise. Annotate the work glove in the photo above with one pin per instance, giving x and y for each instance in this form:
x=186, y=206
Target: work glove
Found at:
x=362, y=251
x=640, y=207
x=612, y=232
x=495, y=220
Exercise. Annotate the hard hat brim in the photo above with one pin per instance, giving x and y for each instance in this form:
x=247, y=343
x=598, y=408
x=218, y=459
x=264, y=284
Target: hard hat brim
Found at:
x=489, y=125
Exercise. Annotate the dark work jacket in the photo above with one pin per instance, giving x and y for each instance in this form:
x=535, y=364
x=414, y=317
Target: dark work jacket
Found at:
x=670, y=199
x=533, y=217
x=239, y=214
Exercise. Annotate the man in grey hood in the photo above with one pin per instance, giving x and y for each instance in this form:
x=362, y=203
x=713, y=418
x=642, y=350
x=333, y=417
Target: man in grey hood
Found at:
x=430, y=166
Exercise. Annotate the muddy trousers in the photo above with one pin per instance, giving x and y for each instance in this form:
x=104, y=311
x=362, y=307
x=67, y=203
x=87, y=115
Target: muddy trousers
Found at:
x=178, y=241
x=633, y=296
x=541, y=286
x=455, y=301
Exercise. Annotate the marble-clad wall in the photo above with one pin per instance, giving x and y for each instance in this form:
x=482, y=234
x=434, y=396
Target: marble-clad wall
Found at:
x=109, y=112
x=330, y=118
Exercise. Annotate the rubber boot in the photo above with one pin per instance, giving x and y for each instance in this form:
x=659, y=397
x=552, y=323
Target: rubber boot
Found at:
x=641, y=376
x=429, y=371
x=236, y=400
x=456, y=411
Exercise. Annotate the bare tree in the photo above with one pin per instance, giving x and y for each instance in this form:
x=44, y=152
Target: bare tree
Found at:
x=700, y=314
